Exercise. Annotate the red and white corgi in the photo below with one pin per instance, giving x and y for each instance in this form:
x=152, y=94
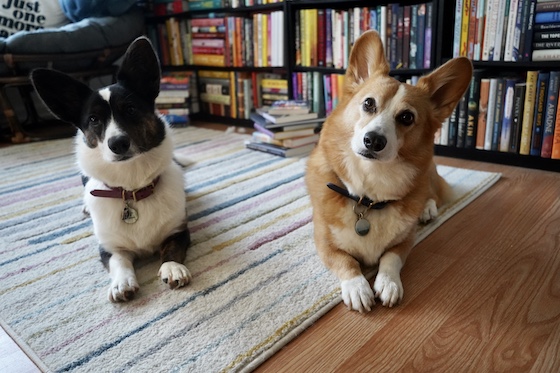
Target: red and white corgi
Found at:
x=371, y=177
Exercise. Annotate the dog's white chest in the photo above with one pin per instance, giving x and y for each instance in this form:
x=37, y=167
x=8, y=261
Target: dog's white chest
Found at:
x=386, y=227
x=138, y=225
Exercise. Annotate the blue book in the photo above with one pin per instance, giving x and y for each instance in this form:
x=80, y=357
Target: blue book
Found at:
x=547, y=17
x=538, y=117
x=550, y=114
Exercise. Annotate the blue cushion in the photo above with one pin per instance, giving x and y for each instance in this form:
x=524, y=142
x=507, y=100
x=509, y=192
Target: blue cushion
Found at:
x=86, y=35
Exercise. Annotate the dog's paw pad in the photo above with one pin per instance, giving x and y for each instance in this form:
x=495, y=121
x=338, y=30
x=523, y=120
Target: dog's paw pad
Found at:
x=123, y=290
x=388, y=289
x=430, y=211
x=174, y=274
x=357, y=294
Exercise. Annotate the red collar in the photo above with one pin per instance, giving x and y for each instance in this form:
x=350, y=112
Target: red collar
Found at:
x=118, y=192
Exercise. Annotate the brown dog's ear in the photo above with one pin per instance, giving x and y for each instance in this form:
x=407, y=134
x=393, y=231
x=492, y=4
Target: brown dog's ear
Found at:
x=366, y=59
x=446, y=85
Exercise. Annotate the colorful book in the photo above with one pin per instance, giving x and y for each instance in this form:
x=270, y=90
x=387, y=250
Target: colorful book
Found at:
x=482, y=113
x=538, y=117
x=528, y=112
x=550, y=114
x=507, y=120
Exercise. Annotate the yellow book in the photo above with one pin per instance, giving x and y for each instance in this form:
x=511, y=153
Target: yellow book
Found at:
x=209, y=59
x=465, y=28
x=528, y=111
x=233, y=94
x=213, y=74
x=264, y=31
x=313, y=37
x=307, y=38
x=215, y=99
x=274, y=83
x=303, y=51
x=174, y=41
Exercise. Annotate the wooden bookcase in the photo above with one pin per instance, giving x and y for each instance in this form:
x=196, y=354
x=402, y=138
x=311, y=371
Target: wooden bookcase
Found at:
x=441, y=51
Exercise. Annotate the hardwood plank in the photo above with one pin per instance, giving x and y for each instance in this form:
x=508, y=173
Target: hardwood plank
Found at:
x=482, y=293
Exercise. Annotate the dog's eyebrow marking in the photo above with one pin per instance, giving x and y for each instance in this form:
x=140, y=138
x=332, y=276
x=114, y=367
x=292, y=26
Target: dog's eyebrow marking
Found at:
x=105, y=93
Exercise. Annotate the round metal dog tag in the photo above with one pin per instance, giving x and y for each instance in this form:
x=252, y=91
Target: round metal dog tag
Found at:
x=362, y=227
x=129, y=215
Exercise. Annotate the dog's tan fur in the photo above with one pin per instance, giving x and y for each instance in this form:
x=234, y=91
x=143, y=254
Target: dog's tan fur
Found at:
x=403, y=173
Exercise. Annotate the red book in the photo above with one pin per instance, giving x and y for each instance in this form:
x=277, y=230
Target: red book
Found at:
x=321, y=37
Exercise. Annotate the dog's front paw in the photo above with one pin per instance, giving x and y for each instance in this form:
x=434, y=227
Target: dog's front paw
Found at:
x=430, y=211
x=357, y=294
x=388, y=289
x=174, y=274
x=123, y=289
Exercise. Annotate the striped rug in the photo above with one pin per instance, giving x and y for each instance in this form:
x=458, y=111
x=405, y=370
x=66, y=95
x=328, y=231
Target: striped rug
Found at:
x=257, y=280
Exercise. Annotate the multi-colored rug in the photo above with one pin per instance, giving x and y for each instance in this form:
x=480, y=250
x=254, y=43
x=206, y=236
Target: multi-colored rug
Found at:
x=257, y=280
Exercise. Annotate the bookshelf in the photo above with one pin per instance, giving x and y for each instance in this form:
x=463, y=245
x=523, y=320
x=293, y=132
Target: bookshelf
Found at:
x=441, y=49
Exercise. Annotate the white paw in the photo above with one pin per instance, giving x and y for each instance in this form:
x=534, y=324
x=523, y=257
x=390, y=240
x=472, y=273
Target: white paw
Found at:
x=357, y=294
x=430, y=211
x=123, y=288
x=174, y=274
x=388, y=289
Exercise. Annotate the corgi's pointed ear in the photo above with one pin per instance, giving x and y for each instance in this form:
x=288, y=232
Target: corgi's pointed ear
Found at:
x=366, y=59
x=140, y=70
x=63, y=95
x=446, y=85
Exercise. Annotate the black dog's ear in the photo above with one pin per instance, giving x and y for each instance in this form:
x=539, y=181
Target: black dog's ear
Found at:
x=140, y=71
x=63, y=95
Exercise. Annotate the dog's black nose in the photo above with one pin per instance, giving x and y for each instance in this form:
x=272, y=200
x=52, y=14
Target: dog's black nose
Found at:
x=119, y=144
x=374, y=141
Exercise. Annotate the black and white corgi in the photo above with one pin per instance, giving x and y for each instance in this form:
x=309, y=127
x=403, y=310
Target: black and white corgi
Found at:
x=134, y=190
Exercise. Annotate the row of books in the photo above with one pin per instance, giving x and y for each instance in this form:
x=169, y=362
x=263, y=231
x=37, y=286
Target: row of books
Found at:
x=508, y=114
x=286, y=128
x=324, y=37
x=168, y=7
x=507, y=30
x=256, y=41
x=322, y=91
x=235, y=94
x=174, y=99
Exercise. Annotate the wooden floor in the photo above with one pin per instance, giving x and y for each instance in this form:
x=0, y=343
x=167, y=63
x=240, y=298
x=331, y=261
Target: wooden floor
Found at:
x=482, y=294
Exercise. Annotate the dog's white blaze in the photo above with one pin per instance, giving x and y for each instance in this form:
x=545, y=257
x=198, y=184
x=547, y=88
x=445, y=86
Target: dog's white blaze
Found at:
x=383, y=124
x=111, y=130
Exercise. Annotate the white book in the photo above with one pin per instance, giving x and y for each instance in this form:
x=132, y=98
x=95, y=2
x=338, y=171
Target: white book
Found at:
x=480, y=18
x=457, y=28
x=383, y=26
x=444, y=136
x=510, y=35
x=490, y=29
x=490, y=114
x=501, y=20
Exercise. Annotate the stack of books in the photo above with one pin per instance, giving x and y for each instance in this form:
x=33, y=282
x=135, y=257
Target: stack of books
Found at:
x=286, y=128
x=173, y=99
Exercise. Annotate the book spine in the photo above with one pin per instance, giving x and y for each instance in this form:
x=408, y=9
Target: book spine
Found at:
x=463, y=50
x=457, y=28
x=472, y=109
x=528, y=112
x=556, y=137
x=428, y=36
x=498, y=115
x=550, y=114
x=505, y=136
x=517, y=116
x=482, y=113
x=538, y=118
x=492, y=95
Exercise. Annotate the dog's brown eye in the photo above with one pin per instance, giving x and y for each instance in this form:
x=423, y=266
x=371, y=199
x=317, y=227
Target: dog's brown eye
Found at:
x=406, y=118
x=93, y=120
x=130, y=110
x=369, y=105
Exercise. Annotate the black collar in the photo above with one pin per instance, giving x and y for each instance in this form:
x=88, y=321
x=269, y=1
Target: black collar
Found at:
x=365, y=201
